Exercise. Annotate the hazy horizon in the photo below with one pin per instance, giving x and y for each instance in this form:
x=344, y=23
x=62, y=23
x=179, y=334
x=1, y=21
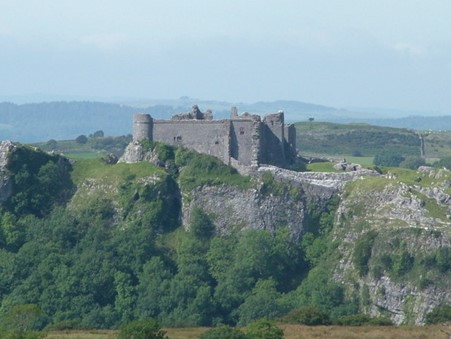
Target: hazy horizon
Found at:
x=342, y=54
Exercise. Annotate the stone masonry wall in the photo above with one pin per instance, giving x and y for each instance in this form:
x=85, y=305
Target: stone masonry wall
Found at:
x=208, y=137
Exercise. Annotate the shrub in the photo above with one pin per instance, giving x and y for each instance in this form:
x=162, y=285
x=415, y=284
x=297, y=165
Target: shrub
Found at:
x=440, y=314
x=5, y=334
x=402, y=262
x=443, y=163
x=412, y=162
x=223, y=332
x=362, y=252
x=385, y=158
x=308, y=315
x=352, y=320
x=201, y=225
x=264, y=329
x=142, y=329
x=361, y=320
x=81, y=139
x=24, y=318
x=70, y=324
x=98, y=134
x=380, y=321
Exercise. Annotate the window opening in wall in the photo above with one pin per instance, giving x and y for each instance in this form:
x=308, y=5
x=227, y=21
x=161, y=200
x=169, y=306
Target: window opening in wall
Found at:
x=272, y=123
x=178, y=138
x=241, y=130
x=216, y=142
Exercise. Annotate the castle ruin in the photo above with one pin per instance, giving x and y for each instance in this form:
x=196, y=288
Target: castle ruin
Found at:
x=241, y=141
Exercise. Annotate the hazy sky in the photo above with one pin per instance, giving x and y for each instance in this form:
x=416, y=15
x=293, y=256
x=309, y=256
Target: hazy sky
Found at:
x=372, y=53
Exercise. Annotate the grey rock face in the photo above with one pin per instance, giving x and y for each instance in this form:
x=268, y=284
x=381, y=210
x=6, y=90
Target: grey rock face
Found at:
x=6, y=148
x=233, y=208
x=135, y=153
x=396, y=211
x=252, y=208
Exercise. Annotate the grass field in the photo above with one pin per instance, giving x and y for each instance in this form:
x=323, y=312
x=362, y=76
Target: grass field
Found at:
x=293, y=332
x=85, y=155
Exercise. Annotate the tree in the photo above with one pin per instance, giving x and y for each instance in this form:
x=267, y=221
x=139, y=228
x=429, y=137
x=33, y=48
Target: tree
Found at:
x=444, y=163
x=263, y=302
x=98, y=134
x=23, y=318
x=223, y=332
x=81, y=139
x=264, y=329
x=388, y=158
x=201, y=224
x=440, y=314
x=52, y=144
x=308, y=315
x=142, y=329
x=311, y=119
x=412, y=162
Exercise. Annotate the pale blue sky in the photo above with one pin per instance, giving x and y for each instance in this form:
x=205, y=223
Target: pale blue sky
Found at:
x=376, y=53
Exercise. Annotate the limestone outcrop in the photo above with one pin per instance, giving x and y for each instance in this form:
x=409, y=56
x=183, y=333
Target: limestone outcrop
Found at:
x=6, y=185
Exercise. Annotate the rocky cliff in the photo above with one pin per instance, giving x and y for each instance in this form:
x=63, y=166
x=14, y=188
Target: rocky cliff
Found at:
x=394, y=242
x=6, y=148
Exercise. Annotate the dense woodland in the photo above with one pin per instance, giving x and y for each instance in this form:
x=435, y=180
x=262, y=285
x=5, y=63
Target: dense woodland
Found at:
x=87, y=266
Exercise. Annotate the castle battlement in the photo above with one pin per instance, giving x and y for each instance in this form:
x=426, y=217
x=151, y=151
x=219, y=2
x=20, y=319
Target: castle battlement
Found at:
x=242, y=140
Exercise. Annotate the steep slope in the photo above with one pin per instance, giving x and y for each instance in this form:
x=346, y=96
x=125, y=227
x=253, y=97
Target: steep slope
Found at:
x=186, y=239
x=394, y=243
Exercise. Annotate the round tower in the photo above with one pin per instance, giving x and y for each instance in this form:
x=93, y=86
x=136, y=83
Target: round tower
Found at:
x=142, y=127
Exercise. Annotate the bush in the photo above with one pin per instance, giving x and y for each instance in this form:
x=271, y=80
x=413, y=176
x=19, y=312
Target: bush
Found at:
x=5, y=334
x=201, y=225
x=390, y=159
x=142, y=329
x=264, y=329
x=352, y=320
x=70, y=324
x=308, y=315
x=81, y=139
x=24, y=318
x=440, y=314
x=223, y=332
x=362, y=252
x=443, y=163
x=361, y=320
x=380, y=321
x=412, y=162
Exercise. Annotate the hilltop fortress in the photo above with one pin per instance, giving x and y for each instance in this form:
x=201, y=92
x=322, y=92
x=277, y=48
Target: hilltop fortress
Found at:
x=243, y=141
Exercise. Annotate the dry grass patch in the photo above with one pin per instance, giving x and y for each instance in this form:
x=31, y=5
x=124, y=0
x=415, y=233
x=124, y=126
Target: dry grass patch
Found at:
x=293, y=332
x=87, y=334
x=392, y=332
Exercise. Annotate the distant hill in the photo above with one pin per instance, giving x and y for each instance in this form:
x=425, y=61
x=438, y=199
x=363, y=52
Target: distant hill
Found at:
x=364, y=140
x=324, y=138
x=66, y=120
x=435, y=123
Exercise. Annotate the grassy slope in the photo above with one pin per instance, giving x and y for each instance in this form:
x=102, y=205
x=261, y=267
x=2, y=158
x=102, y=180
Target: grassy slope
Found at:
x=97, y=169
x=341, y=140
x=437, y=144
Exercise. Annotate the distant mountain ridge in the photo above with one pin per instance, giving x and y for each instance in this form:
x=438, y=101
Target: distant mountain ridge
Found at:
x=66, y=120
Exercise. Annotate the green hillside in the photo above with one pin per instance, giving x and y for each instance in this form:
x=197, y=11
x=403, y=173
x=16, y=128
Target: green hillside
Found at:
x=324, y=138
x=361, y=142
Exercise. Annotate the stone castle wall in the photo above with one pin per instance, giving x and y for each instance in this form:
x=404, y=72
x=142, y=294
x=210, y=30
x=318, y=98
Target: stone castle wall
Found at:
x=205, y=136
x=241, y=141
